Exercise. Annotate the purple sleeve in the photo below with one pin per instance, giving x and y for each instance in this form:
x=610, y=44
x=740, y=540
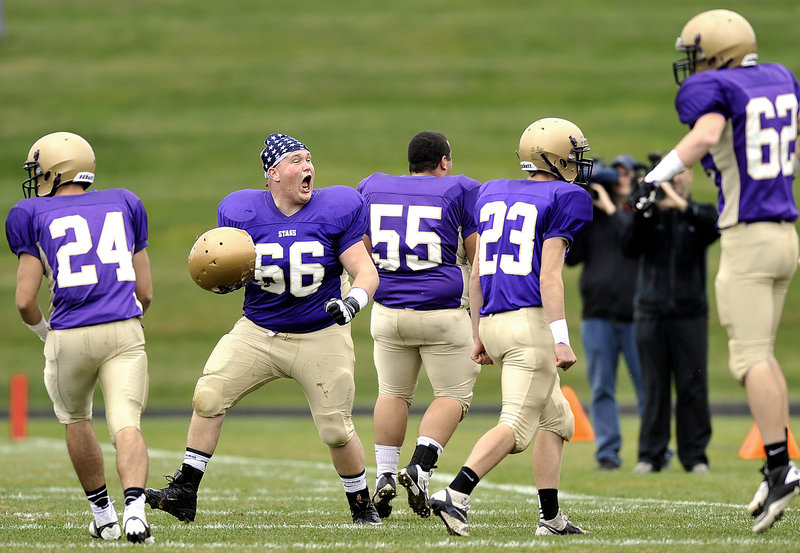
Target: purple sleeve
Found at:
x=470, y=196
x=19, y=232
x=699, y=96
x=354, y=219
x=572, y=214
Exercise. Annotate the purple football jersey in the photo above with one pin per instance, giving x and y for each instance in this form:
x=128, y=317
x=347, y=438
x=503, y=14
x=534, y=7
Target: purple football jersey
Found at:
x=416, y=225
x=753, y=163
x=86, y=243
x=515, y=217
x=300, y=252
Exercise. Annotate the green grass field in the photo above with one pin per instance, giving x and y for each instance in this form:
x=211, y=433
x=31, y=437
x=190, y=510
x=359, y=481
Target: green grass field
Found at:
x=177, y=97
x=271, y=487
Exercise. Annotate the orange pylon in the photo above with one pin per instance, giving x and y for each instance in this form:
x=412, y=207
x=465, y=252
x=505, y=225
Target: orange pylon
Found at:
x=753, y=446
x=583, y=429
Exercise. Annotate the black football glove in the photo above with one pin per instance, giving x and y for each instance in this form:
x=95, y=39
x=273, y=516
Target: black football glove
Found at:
x=342, y=310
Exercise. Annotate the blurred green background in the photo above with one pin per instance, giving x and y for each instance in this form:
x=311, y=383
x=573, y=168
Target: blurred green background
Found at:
x=177, y=96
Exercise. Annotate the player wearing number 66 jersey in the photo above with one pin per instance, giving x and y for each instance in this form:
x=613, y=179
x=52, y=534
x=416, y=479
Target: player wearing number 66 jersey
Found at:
x=91, y=247
x=517, y=301
x=743, y=118
x=304, y=240
x=422, y=231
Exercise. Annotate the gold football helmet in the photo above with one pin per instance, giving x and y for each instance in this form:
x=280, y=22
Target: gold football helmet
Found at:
x=57, y=159
x=715, y=39
x=555, y=146
x=222, y=259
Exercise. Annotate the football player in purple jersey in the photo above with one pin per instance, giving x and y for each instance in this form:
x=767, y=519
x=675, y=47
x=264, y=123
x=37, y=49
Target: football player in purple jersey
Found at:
x=743, y=120
x=422, y=231
x=91, y=247
x=305, y=240
x=517, y=301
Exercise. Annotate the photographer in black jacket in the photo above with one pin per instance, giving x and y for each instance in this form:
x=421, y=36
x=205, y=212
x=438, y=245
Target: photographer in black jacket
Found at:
x=606, y=286
x=671, y=236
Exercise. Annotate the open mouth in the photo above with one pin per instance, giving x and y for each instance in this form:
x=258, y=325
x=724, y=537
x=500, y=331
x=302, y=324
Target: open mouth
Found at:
x=307, y=183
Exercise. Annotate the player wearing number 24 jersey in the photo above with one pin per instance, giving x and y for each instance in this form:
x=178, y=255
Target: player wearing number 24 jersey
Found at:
x=91, y=247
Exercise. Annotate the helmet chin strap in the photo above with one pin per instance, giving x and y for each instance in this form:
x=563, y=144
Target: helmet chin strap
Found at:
x=553, y=167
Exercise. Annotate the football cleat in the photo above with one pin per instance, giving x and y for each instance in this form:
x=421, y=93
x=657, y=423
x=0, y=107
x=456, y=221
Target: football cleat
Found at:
x=386, y=490
x=178, y=499
x=138, y=531
x=452, y=507
x=415, y=480
x=784, y=484
x=756, y=505
x=558, y=526
x=364, y=512
x=107, y=532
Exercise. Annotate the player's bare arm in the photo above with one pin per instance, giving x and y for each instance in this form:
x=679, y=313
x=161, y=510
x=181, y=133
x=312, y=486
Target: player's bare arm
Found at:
x=144, y=280
x=358, y=263
x=552, y=286
x=29, y=279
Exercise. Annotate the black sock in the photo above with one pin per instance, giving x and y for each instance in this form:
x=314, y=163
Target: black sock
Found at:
x=425, y=456
x=777, y=455
x=131, y=494
x=99, y=497
x=356, y=497
x=548, y=504
x=465, y=481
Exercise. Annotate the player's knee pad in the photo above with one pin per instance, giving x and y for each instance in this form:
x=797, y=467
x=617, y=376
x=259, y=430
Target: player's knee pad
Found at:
x=523, y=436
x=335, y=429
x=208, y=400
x=120, y=420
x=743, y=355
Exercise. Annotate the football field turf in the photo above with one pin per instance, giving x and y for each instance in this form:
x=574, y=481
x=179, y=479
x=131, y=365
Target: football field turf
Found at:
x=271, y=487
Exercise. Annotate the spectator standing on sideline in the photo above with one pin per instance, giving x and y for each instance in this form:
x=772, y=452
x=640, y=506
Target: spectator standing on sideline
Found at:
x=607, y=283
x=91, y=246
x=304, y=240
x=422, y=230
x=517, y=303
x=671, y=241
x=743, y=119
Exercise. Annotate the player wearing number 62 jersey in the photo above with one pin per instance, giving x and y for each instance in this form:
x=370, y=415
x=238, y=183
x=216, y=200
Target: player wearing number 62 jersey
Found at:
x=743, y=118
x=422, y=231
x=305, y=239
x=91, y=246
x=517, y=301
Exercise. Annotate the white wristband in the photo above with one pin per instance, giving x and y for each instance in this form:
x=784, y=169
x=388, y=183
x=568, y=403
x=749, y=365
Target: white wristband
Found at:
x=560, y=331
x=39, y=328
x=360, y=295
x=667, y=168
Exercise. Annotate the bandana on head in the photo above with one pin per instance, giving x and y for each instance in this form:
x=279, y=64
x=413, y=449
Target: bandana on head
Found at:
x=278, y=147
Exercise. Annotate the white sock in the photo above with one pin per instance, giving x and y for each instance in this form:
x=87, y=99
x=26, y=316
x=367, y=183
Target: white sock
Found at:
x=387, y=457
x=353, y=484
x=104, y=515
x=196, y=459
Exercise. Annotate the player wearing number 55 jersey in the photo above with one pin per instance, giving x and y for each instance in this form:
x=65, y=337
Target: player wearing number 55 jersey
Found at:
x=304, y=240
x=91, y=246
x=517, y=301
x=422, y=230
x=743, y=118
